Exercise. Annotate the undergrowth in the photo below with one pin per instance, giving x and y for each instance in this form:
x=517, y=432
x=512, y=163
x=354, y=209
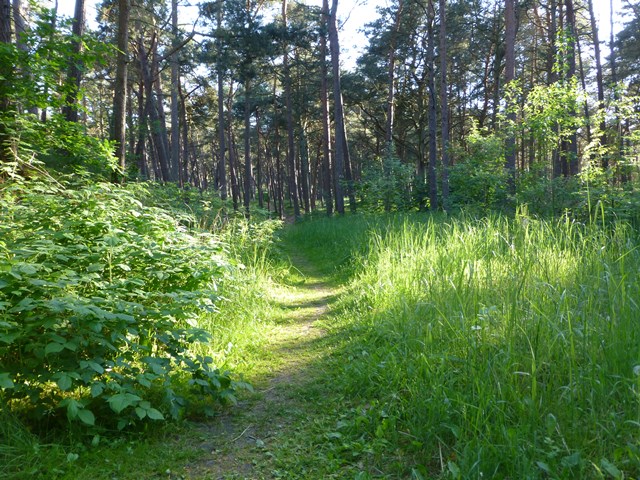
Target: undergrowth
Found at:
x=117, y=309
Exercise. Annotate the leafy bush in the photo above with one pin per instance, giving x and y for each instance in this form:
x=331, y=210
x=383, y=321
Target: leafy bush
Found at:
x=479, y=180
x=99, y=297
x=387, y=185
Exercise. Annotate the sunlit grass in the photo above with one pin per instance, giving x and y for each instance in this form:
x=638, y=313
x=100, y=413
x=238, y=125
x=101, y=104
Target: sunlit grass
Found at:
x=492, y=348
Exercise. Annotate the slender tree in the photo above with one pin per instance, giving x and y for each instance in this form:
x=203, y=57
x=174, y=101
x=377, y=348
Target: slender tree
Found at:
x=391, y=83
x=291, y=161
x=5, y=78
x=433, y=154
x=220, y=71
x=324, y=101
x=174, y=62
x=509, y=76
x=340, y=133
x=599, y=76
x=120, y=91
x=444, y=104
x=74, y=76
x=570, y=145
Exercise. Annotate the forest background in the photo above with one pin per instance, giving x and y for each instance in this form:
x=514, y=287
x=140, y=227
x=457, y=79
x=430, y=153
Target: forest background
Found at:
x=147, y=166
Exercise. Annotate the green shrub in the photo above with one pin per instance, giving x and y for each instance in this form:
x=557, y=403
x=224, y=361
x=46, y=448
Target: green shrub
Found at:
x=99, y=300
x=478, y=179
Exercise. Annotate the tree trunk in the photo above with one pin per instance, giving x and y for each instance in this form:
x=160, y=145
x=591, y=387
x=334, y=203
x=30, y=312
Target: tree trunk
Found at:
x=433, y=154
x=160, y=123
x=174, y=61
x=390, y=104
x=613, y=66
x=340, y=141
x=571, y=144
x=599, y=78
x=5, y=21
x=304, y=169
x=291, y=162
x=509, y=76
x=155, y=123
x=324, y=100
x=444, y=105
x=120, y=95
x=259, y=162
x=232, y=155
x=247, y=147
x=5, y=80
x=222, y=173
x=74, y=75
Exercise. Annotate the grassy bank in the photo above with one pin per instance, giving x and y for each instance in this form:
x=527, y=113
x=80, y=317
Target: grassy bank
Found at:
x=486, y=348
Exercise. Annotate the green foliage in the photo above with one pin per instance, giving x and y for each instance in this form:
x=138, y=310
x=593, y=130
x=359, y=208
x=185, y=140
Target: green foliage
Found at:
x=506, y=348
x=478, y=180
x=99, y=302
x=548, y=111
x=386, y=183
x=31, y=79
x=58, y=144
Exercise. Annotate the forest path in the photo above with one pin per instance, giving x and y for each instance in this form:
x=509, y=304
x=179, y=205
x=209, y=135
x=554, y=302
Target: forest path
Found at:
x=240, y=444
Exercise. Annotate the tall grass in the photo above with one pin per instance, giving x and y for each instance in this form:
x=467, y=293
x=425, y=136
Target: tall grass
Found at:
x=495, y=348
x=246, y=314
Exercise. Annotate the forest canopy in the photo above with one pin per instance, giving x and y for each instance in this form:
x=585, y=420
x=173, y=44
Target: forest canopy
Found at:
x=453, y=104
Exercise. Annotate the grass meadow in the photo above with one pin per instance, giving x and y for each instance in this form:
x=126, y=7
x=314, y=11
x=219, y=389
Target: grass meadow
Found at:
x=486, y=348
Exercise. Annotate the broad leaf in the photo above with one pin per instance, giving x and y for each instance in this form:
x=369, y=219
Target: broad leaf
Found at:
x=53, y=347
x=65, y=382
x=155, y=414
x=5, y=381
x=87, y=417
x=120, y=401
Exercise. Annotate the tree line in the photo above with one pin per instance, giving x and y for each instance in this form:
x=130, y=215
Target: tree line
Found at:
x=452, y=104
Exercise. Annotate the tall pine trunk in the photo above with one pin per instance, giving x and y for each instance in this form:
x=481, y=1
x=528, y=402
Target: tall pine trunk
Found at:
x=433, y=154
x=120, y=90
x=340, y=134
x=174, y=62
x=391, y=81
x=247, y=147
x=444, y=105
x=291, y=160
x=222, y=171
x=509, y=76
x=599, y=78
x=74, y=75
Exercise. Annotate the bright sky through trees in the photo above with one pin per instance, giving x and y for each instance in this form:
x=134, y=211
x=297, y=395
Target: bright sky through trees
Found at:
x=354, y=15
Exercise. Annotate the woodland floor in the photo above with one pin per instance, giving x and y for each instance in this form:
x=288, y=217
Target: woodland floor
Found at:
x=248, y=442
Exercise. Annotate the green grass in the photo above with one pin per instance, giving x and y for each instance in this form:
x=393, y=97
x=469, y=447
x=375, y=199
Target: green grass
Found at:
x=454, y=348
x=488, y=348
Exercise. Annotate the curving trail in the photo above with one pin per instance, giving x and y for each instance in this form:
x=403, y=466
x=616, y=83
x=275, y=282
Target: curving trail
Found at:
x=239, y=443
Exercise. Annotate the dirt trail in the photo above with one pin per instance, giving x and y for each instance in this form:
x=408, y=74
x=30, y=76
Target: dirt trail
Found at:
x=239, y=441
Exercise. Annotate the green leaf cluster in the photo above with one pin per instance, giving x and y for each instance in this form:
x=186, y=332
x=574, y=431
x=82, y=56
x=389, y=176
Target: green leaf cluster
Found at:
x=99, y=301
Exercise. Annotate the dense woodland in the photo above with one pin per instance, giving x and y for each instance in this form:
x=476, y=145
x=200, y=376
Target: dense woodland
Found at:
x=478, y=103
x=466, y=195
